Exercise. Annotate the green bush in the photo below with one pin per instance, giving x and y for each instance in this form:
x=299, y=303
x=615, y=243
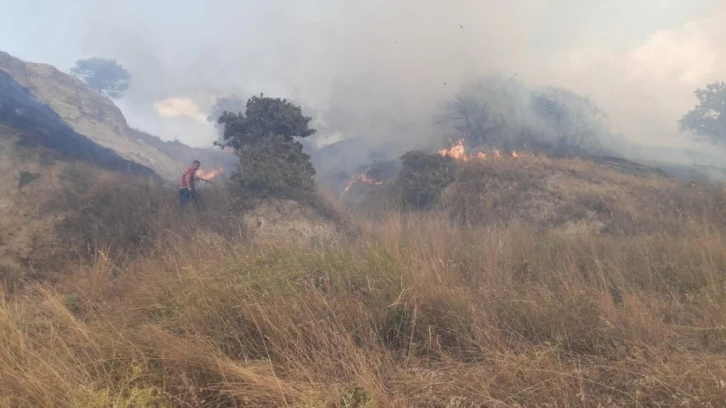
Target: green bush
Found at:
x=422, y=179
x=275, y=167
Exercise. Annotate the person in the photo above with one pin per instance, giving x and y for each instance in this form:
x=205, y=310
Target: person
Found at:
x=187, y=190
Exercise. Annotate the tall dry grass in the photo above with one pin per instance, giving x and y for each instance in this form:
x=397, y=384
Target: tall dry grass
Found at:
x=147, y=310
x=415, y=312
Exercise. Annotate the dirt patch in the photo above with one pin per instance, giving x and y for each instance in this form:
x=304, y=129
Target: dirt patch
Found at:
x=289, y=220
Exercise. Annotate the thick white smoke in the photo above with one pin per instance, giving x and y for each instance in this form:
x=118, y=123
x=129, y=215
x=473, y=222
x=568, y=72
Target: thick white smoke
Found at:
x=377, y=69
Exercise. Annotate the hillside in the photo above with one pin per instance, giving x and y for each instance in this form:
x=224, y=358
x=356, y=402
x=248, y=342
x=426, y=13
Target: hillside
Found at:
x=39, y=153
x=599, y=195
x=530, y=280
x=87, y=112
x=415, y=311
x=210, y=157
x=537, y=281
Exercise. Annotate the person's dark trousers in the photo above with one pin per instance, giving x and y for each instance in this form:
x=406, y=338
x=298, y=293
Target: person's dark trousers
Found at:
x=185, y=195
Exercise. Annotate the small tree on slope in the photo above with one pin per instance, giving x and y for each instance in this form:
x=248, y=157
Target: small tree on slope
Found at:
x=105, y=76
x=272, y=162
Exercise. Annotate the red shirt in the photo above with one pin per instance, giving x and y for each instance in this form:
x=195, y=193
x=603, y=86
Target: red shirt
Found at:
x=188, y=178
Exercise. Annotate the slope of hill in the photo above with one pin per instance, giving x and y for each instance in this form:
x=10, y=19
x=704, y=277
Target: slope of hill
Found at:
x=38, y=155
x=210, y=158
x=87, y=112
x=600, y=195
x=415, y=311
x=35, y=124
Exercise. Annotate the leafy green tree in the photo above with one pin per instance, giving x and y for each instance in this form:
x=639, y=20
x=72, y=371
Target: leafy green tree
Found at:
x=422, y=178
x=272, y=162
x=265, y=117
x=708, y=118
x=105, y=76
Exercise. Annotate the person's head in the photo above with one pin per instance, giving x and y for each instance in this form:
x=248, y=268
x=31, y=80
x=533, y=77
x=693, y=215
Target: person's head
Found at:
x=196, y=164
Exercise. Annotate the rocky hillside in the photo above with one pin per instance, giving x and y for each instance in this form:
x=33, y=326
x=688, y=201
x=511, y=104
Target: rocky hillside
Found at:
x=39, y=156
x=87, y=113
x=30, y=123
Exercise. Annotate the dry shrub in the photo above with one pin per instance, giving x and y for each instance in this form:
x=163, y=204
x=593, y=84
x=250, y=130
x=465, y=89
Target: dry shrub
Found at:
x=130, y=216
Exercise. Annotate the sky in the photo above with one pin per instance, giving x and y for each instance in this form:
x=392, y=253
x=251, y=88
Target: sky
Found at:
x=639, y=60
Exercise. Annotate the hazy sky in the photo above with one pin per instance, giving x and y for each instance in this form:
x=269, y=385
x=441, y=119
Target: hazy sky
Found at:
x=639, y=60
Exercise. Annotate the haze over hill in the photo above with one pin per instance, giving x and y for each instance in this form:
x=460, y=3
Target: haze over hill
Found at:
x=375, y=71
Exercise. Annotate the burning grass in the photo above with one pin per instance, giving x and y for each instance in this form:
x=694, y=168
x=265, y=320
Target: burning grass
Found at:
x=416, y=312
x=458, y=152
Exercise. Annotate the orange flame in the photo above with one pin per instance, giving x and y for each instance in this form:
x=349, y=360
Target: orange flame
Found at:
x=210, y=174
x=458, y=152
x=361, y=178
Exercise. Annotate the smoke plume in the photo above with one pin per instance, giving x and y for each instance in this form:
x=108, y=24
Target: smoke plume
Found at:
x=377, y=71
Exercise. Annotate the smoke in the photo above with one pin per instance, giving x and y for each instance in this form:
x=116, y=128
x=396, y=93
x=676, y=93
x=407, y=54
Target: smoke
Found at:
x=176, y=107
x=377, y=71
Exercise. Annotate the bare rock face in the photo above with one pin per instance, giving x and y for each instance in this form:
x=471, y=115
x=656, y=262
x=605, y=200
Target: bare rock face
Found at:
x=88, y=113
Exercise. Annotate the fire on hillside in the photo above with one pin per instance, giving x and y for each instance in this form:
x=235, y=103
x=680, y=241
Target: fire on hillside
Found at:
x=361, y=178
x=209, y=174
x=378, y=175
x=458, y=152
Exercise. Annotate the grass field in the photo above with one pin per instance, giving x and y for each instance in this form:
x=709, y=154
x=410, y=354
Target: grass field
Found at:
x=413, y=311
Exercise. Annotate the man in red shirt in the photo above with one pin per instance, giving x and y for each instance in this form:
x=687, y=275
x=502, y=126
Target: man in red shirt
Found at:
x=187, y=189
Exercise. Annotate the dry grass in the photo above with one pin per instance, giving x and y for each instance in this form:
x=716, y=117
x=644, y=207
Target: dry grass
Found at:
x=413, y=312
x=564, y=194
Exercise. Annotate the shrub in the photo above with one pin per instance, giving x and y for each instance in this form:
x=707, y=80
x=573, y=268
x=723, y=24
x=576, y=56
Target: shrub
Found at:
x=275, y=167
x=422, y=179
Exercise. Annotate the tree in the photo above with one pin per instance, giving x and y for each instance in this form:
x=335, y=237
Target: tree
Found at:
x=568, y=122
x=275, y=167
x=105, y=76
x=485, y=109
x=492, y=111
x=473, y=119
x=264, y=117
x=708, y=118
x=272, y=162
x=498, y=112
